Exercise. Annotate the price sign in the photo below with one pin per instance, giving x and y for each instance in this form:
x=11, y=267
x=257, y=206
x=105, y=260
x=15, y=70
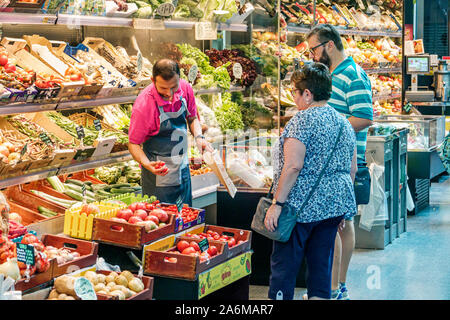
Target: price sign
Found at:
x=205, y=31
x=44, y=137
x=80, y=132
x=97, y=125
x=83, y=191
x=165, y=9
x=24, y=150
x=49, y=20
x=192, y=75
x=139, y=61
x=407, y=107
x=84, y=289
x=361, y=4
x=237, y=70
x=179, y=204
x=204, y=245
x=25, y=253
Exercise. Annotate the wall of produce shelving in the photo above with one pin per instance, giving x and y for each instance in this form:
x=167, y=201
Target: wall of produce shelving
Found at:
x=256, y=37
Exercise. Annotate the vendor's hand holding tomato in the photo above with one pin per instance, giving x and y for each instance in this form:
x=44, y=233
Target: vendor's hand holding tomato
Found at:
x=272, y=215
x=158, y=168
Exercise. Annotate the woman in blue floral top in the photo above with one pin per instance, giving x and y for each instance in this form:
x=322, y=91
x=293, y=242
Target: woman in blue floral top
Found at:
x=299, y=156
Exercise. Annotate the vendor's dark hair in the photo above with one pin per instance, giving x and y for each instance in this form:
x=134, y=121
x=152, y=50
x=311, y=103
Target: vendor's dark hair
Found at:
x=315, y=77
x=326, y=32
x=166, y=69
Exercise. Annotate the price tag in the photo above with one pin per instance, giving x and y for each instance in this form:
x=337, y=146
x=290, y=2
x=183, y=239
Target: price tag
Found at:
x=204, y=245
x=80, y=132
x=83, y=191
x=49, y=20
x=165, y=9
x=175, y=3
x=407, y=107
x=179, y=204
x=44, y=137
x=237, y=70
x=97, y=125
x=205, y=31
x=24, y=150
x=139, y=61
x=25, y=253
x=84, y=289
x=361, y=4
x=192, y=75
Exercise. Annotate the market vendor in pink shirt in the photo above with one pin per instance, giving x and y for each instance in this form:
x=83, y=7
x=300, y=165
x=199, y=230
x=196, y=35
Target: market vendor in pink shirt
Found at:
x=158, y=134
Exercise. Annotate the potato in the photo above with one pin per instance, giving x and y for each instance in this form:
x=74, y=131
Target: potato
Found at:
x=102, y=292
x=92, y=277
x=132, y=292
x=110, y=278
x=99, y=286
x=109, y=285
x=101, y=278
x=118, y=293
x=53, y=294
x=69, y=298
x=65, y=284
x=127, y=274
x=136, y=285
x=114, y=274
x=127, y=292
x=121, y=280
x=118, y=287
x=62, y=296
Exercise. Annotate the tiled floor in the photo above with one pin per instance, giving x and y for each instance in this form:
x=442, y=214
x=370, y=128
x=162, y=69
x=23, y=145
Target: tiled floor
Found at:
x=414, y=266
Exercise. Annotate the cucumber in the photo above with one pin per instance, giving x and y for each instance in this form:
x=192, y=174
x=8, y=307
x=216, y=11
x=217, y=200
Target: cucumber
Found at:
x=62, y=202
x=56, y=183
x=121, y=185
x=89, y=183
x=79, y=190
x=122, y=190
x=73, y=194
x=103, y=193
x=75, y=181
x=46, y=212
x=137, y=188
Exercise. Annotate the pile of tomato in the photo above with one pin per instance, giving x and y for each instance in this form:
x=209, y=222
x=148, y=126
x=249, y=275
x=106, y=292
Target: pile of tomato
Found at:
x=187, y=214
x=214, y=235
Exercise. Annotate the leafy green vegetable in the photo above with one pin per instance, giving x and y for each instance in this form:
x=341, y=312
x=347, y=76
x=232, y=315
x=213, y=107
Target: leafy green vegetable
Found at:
x=228, y=114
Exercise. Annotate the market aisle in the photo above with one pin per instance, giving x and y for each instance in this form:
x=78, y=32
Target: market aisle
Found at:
x=414, y=266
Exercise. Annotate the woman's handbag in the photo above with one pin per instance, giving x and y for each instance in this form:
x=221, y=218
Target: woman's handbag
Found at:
x=362, y=184
x=288, y=216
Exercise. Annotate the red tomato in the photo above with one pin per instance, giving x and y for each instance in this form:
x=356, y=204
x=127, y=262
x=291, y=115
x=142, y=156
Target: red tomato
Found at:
x=124, y=214
x=133, y=207
x=152, y=218
x=149, y=206
x=194, y=245
x=3, y=60
x=140, y=205
x=216, y=237
x=231, y=242
x=188, y=250
x=209, y=232
x=183, y=244
x=212, y=251
x=134, y=220
x=140, y=213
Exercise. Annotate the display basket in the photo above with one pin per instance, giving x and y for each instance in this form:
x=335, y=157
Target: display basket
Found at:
x=180, y=224
x=36, y=279
x=28, y=216
x=88, y=253
x=79, y=225
x=146, y=294
x=185, y=266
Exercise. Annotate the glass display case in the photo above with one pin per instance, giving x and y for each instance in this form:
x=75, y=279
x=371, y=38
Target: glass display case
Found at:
x=249, y=162
x=425, y=132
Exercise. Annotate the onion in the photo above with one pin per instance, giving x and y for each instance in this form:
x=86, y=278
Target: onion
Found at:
x=10, y=269
x=15, y=217
x=4, y=150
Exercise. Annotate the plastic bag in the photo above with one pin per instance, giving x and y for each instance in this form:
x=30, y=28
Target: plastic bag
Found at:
x=409, y=200
x=4, y=217
x=376, y=211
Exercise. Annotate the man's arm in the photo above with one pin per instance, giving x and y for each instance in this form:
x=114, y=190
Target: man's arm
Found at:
x=139, y=155
x=196, y=130
x=359, y=124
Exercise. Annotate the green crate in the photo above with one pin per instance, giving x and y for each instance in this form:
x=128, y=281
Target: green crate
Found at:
x=129, y=198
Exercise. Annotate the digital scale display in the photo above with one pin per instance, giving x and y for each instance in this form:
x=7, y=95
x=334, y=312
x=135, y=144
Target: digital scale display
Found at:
x=418, y=65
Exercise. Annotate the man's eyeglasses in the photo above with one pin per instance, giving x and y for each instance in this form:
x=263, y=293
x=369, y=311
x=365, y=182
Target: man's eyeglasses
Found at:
x=311, y=51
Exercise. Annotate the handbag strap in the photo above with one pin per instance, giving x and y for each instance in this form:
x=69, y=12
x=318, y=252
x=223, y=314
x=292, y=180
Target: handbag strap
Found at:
x=322, y=171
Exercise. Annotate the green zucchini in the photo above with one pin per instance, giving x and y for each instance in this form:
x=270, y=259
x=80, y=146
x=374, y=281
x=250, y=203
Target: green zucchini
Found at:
x=122, y=190
x=56, y=183
x=121, y=185
x=103, y=193
x=46, y=212
x=62, y=202
x=75, y=181
x=79, y=190
x=73, y=194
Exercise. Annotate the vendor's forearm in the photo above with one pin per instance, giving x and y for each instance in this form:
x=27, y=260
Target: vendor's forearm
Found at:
x=138, y=154
x=287, y=180
x=195, y=127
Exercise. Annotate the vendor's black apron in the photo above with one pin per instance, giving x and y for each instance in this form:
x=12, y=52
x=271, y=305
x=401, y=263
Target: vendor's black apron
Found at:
x=171, y=146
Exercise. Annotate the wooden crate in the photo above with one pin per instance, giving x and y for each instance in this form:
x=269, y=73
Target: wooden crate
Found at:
x=238, y=234
x=129, y=235
x=82, y=176
x=44, y=186
x=31, y=201
x=88, y=253
x=36, y=279
x=186, y=266
x=28, y=216
x=25, y=4
x=180, y=225
x=146, y=294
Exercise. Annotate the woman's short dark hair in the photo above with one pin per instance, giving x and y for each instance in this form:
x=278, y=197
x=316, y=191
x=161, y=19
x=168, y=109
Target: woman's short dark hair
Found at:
x=166, y=69
x=315, y=77
x=326, y=32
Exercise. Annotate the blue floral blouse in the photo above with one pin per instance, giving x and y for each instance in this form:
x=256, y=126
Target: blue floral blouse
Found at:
x=317, y=128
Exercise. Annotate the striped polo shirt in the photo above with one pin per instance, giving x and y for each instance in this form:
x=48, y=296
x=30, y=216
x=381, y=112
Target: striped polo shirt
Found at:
x=352, y=97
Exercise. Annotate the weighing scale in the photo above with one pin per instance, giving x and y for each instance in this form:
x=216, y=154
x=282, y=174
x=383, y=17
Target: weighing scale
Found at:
x=418, y=65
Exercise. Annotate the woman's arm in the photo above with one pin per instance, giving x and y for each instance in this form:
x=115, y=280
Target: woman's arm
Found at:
x=354, y=167
x=294, y=156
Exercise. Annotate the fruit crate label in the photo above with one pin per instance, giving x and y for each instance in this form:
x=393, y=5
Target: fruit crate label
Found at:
x=44, y=137
x=97, y=125
x=193, y=72
x=80, y=132
x=165, y=9
x=25, y=253
x=224, y=274
x=84, y=289
x=204, y=245
x=205, y=31
x=237, y=70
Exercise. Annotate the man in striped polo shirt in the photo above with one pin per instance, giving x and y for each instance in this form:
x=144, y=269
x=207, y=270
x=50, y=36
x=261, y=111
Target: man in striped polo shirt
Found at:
x=352, y=97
